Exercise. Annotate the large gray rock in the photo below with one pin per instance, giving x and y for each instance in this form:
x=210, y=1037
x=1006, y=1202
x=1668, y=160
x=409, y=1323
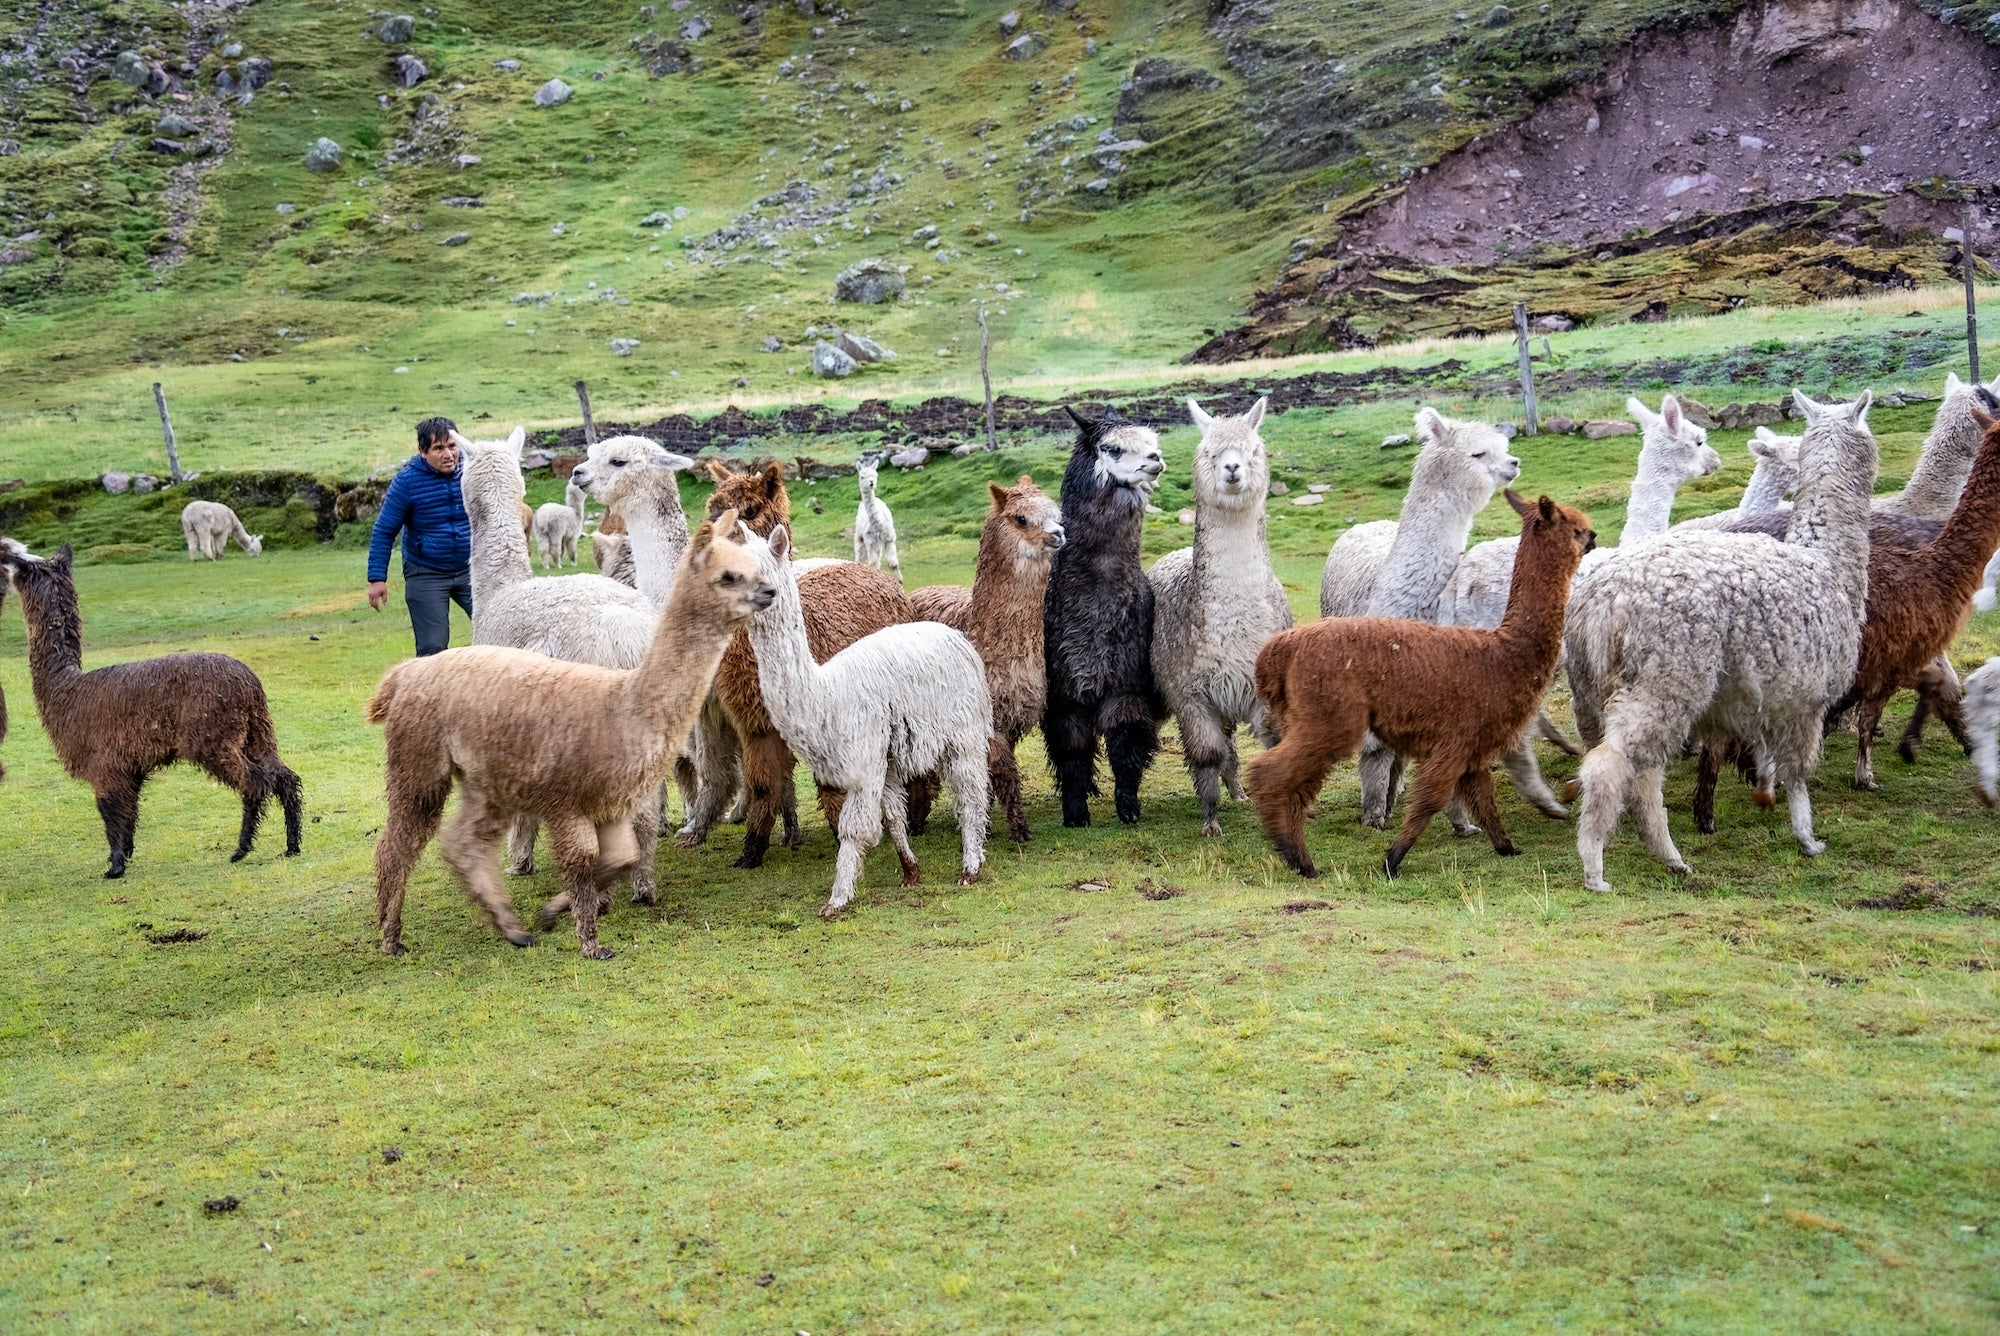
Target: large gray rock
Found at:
x=1600, y=428
x=117, y=483
x=862, y=348
x=913, y=457
x=131, y=68
x=694, y=29
x=324, y=155
x=868, y=282
x=552, y=94
x=396, y=28
x=1024, y=47
x=624, y=347
x=145, y=483
x=410, y=71
x=254, y=72
x=1010, y=21
x=507, y=66
x=174, y=126
x=660, y=219
x=830, y=363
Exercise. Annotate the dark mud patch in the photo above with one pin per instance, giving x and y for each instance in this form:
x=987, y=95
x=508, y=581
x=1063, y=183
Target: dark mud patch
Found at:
x=176, y=936
x=1306, y=906
x=1158, y=890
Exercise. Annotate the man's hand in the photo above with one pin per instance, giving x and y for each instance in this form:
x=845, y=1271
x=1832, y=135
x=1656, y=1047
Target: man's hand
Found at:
x=378, y=594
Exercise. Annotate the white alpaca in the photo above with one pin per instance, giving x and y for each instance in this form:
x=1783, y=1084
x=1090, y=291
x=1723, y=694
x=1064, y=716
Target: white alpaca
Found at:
x=1982, y=721
x=208, y=526
x=1723, y=636
x=1946, y=459
x=1772, y=481
x=558, y=527
x=1401, y=568
x=1672, y=450
x=581, y=618
x=1215, y=604
x=905, y=701
x=874, y=526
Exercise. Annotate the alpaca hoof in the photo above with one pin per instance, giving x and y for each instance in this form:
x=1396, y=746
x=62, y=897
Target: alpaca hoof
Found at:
x=1868, y=785
x=1812, y=848
x=1508, y=851
x=1211, y=829
x=1389, y=869
x=1907, y=749
x=917, y=828
x=749, y=860
x=1375, y=822
x=394, y=949
x=524, y=868
x=291, y=851
x=1764, y=798
x=690, y=839
x=114, y=872
x=830, y=910
x=1680, y=869
x=793, y=839
x=648, y=897
x=519, y=937
x=597, y=952
x=913, y=875
x=1462, y=832
x=1019, y=834
x=1987, y=797
x=1076, y=820
x=968, y=878
x=1556, y=812
x=1600, y=886
x=1128, y=808
x=1706, y=825
x=1571, y=790
x=239, y=855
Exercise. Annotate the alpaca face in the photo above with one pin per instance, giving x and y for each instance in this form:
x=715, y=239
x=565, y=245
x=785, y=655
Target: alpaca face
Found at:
x=731, y=573
x=1129, y=456
x=757, y=498
x=1675, y=449
x=1461, y=456
x=1034, y=521
x=865, y=473
x=1779, y=456
x=621, y=456
x=1230, y=466
x=491, y=469
x=253, y=545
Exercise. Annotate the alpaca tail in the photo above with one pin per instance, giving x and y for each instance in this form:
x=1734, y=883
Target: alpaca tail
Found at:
x=1274, y=665
x=379, y=704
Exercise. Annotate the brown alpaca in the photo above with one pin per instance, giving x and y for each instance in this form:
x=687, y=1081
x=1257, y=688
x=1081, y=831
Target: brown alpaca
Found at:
x=113, y=727
x=481, y=716
x=1002, y=616
x=842, y=604
x=1919, y=598
x=1451, y=698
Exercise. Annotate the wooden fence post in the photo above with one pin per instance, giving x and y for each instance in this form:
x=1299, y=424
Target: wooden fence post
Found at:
x=1971, y=308
x=1527, y=370
x=986, y=377
x=167, y=428
x=589, y=427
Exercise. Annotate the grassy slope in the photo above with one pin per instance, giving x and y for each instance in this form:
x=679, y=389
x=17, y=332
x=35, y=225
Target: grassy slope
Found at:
x=1480, y=1096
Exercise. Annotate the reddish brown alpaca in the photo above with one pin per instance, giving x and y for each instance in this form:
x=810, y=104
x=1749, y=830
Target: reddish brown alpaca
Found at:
x=841, y=603
x=1919, y=598
x=1451, y=698
x=1002, y=616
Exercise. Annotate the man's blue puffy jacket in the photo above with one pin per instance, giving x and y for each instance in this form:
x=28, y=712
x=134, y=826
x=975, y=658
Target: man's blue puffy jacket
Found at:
x=426, y=507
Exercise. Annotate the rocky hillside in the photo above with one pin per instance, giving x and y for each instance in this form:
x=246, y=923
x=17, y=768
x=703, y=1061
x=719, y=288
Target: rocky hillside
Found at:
x=1111, y=179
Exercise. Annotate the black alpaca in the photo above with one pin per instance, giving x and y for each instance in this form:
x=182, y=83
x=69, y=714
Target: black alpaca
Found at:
x=112, y=727
x=1098, y=621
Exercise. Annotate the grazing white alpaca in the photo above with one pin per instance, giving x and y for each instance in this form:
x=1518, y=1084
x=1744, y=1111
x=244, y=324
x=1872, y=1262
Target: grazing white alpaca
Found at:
x=874, y=526
x=1215, y=604
x=557, y=527
x=1723, y=636
x=1982, y=721
x=1672, y=450
x=208, y=526
x=905, y=701
x=581, y=618
x=1401, y=568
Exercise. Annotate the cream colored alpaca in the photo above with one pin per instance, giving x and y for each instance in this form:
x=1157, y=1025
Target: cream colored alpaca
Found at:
x=209, y=525
x=481, y=717
x=558, y=527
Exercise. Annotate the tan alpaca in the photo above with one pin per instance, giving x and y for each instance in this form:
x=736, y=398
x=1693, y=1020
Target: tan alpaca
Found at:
x=481, y=716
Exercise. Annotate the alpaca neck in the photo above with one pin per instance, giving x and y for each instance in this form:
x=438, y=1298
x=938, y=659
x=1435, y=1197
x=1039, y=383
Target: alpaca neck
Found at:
x=242, y=534
x=792, y=680
x=665, y=692
x=499, y=547
x=1429, y=538
x=1537, y=601
x=1650, y=511
x=1942, y=468
x=55, y=641
x=1011, y=577
x=659, y=534
x=1830, y=515
x=1230, y=552
x=1958, y=555
x=1764, y=492
x=573, y=498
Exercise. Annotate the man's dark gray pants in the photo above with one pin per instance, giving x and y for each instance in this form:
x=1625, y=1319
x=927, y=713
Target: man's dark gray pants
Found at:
x=430, y=595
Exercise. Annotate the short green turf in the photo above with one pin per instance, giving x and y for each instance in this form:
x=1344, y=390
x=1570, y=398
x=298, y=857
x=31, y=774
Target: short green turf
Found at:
x=1207, y=1097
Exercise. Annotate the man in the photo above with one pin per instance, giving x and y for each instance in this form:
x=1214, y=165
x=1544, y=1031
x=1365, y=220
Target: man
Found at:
x=423, y=504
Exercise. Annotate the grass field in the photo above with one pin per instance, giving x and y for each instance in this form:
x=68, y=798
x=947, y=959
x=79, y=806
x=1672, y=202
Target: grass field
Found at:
x=1208, y=1097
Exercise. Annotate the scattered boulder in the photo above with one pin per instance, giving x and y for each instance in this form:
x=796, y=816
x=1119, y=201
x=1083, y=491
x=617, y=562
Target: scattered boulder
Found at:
x=829, y=363
x=117, y=483
x=145, y=483
x=535, y=459
x=1598, y=429
x=1025, y=47
x=173, y=125
x=819, y=470
x=1280, y=488
x=410, y=71
x=1557, y=426
x=1553, y=324
x=1010, y=21
x=868, y=282
x=168, y=146
x=1498, y=17
x=1309, y=499
x=1185, y=517
x=862, y=348
x=131, y=68
x=910, y=457
x=624, y=347
x=773, y=344
x=1698, y=413
x=323, y=156
x=694, y=29
x=659, y=218
x=396, y=28
x=15, y=255
x=1098, y=186
x=254, y=72
x=1391, y=442
x=508, y=66
x=552, y=94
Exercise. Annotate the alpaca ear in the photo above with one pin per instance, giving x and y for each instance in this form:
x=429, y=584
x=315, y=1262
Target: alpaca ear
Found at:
x=1026, y=481
x=1201, y=419
x=517, y=439
x=718, y=473
x=1985, y=403
x=999, y=495
x=1638, y=410
x=1430, y=425
x=773, y=474
x=1520, y=503
x=64, y=558
x=1952, y=384
x=781, y=543
x=1808, y=410
x=1255, y=416
x=1670, y=413
x=679, y=463
x=1079, y=419
x=1762, y=445
x=1548, y=509
x=1861, y=407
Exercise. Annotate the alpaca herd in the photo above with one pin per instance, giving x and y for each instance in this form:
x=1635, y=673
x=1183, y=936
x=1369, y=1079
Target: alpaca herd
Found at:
x=722, y=657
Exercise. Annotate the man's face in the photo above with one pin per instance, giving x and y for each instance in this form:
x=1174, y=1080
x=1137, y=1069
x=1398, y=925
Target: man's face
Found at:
x=442, y=455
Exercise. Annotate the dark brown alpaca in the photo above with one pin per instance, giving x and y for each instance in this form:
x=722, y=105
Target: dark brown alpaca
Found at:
x=842, y=604
x=112, y=727
x=1002, y=616
x=1451, y=698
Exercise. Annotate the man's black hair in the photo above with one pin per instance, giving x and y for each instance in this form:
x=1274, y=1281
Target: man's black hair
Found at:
x=432, y=430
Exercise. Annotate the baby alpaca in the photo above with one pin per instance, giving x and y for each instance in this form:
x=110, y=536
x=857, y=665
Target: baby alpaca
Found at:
x=903, y=702
x=208, y=525
x=1215, y=604
x=557, y=527
x=480, y=717
x=1723, y=636
x=874, y=527
x=1451, y=698
x=113, y=727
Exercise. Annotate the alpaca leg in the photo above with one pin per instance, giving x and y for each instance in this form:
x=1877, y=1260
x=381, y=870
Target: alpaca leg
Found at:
x=291, y=797
x=1802, y=822
x=646, y=840
x=860, y=831
x=1072, y=747
x=1545, y=729
x=1286, y=780
x=1436, y=782
x=1380, y=771
x=923, y=790
x=573, y=841
x=471, y=848
x=256, y=793
x=1602, y=780
x=1867, y=723
x=521, y=844
x=1526, y=773
x=1004, y=779
x=1129, y=744
x=187, y=534
x=1475, y=791
x=896, y=816
x=1938, y=689
x=718, y=754
x=767, y=776
x=118, y=805
x=788, y=813
x=1205, y=748
x=1986, y=764
x=415, y=807
x=1232, y=771
x=893, y=563
x=966, y=771
x=1649, y=816
x=1708, y=771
